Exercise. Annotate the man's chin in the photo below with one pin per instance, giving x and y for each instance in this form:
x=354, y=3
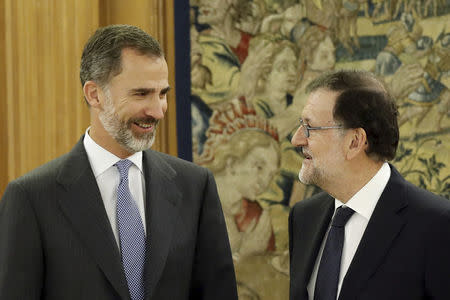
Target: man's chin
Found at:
x=139, y=136
x=304, y=180
x=143, y=138
x=304, y=177
x=137, y=145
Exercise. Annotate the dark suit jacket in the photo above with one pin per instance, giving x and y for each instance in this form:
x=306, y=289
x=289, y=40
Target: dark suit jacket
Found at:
x=403, y=254
x=56, y=241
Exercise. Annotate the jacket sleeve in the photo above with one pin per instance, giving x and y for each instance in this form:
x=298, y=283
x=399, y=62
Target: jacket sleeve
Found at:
x=21, y=256
x=213, y=274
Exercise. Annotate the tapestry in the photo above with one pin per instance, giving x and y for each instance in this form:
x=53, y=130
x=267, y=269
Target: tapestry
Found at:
x=250, y=63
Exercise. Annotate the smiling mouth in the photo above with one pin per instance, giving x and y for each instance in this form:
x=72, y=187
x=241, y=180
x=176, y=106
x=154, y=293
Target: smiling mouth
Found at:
x=144, y=125
x=302, y=153
x=306, y=155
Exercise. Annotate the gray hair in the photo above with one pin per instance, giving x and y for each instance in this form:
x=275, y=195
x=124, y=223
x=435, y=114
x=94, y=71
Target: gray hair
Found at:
x=101, y=58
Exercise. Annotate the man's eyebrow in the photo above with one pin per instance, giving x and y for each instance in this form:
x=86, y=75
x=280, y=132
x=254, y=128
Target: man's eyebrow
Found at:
x=306, y=120
x=142, y=90
x=165, y=90
x=148, y=90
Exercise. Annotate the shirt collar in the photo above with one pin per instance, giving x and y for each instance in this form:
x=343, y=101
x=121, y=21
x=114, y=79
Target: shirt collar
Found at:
x=365, y=200
x=101, y=159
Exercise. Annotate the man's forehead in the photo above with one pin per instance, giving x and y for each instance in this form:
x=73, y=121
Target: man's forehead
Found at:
x=138, y=67
x=133, y=57
x=320, y=104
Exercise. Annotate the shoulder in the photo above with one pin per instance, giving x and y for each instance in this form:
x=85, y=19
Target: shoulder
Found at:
x=46, y=175
x=429, y=215
x=426, y=213
x=175, y=164
x=41, y=176
x=421, y=203
x=35, y=186
x=312, y=204
x=425, y=203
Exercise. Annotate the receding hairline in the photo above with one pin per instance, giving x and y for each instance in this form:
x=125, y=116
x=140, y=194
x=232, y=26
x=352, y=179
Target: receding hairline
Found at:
x=101, y=52
x=342, y=80
x=133, y=51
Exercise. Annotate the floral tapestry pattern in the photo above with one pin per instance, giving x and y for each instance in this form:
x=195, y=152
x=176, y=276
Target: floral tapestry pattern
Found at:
x=250, y=63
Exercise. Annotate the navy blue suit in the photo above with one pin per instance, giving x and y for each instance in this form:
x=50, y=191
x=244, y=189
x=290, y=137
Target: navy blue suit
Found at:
x=403, y=254
x=56, y=241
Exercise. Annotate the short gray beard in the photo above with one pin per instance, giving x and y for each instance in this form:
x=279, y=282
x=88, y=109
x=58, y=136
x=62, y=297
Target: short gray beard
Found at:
x=121, y=130
x=316, y=177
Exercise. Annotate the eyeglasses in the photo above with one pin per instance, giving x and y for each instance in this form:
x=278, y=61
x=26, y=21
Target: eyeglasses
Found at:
x=307, y=128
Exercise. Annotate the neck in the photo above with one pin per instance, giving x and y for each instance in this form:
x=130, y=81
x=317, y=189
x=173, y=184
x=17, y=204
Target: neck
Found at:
x=356, y=176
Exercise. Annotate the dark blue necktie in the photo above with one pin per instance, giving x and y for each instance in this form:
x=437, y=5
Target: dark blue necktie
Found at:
x=330, y=263
x=131, y=234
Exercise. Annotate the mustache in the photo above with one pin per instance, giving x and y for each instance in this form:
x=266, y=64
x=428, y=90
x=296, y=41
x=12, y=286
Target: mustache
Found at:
x=148, y=120
x=303, y=153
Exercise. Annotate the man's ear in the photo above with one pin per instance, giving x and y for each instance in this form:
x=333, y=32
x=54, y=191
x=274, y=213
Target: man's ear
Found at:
x=356, y=142
x=91, y=93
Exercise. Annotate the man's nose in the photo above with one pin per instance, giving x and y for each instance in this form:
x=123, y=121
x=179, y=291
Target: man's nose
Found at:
x=299, y=139
x=156, y=107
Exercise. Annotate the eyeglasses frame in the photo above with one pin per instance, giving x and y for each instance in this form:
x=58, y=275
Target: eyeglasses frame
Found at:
x=307, y=128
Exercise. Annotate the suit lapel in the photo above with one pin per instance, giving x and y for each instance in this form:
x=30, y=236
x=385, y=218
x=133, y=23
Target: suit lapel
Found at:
x=310, y=233
x=84, y=208
x=162, y=197
x=383, y=228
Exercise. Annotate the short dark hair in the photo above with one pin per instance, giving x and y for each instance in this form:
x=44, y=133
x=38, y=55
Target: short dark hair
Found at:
x=101, y=58
x=363, y=102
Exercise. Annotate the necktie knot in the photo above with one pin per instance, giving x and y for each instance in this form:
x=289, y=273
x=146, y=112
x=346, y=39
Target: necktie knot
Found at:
x=342, y=215
x=123, y=166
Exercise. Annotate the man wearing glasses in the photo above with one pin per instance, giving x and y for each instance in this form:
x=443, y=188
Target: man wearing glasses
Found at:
x=371, y=234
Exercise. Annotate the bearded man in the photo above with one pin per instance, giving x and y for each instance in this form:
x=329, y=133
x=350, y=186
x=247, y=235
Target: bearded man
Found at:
x=371, y=234
x=112, y=219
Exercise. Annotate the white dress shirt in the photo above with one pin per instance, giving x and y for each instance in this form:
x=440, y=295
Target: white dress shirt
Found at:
x=363, y=203
x=107, y=175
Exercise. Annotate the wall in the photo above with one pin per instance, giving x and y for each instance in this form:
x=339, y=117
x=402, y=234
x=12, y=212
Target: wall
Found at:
x=42, y=105
x=250, y=64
